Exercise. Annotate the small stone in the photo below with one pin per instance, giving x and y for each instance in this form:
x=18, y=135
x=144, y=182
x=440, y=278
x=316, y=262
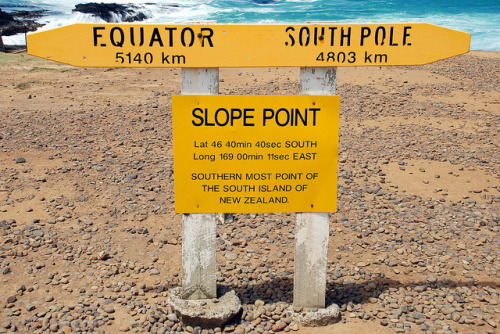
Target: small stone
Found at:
x=124, y=328
x=491, y=323
x=6, y=324
x=30, y=307
x=259, y=303
x=11, y=299
x=231, y=256
x=154, y=271
x=41, y=179
x=20, y=160
x=103, y=256
x=108, y=308
x=66, y=329
x=279, y=326
x=384, y=322
x=294, y=326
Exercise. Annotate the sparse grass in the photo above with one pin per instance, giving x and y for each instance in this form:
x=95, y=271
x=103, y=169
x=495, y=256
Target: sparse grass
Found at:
x=36, y=68
x=21, y=59
x=69, y=69
x=25, y=85
x=6, y=58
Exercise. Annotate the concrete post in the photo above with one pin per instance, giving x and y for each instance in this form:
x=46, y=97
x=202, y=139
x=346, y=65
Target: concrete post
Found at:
x=198, y=231
x=312, y=229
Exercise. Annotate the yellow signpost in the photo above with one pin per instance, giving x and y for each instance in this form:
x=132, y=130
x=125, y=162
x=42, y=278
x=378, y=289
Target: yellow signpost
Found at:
x=255, y=153
x=232, y=45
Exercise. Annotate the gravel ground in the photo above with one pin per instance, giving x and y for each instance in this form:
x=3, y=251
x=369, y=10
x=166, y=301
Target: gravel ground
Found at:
x=89, y=241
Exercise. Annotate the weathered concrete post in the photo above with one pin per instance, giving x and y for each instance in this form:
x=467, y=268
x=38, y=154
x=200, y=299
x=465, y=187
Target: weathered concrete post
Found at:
x=198, y=232
x=312, y=229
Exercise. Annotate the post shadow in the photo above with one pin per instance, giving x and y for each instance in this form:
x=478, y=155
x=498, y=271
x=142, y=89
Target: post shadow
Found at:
x=339, y=292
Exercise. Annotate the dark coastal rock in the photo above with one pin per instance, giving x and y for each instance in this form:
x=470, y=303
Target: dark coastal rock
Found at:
x=105, y=11
x=5, y=18
x=19, y=22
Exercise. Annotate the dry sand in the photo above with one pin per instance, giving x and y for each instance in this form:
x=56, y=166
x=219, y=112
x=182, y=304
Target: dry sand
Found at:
x=90, y=241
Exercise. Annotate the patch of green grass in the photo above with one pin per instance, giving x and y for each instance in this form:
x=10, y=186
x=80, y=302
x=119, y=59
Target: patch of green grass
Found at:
x=6, y=58
x=19, y=59
x=25, y=85
x=36, y=68
x=69, y=69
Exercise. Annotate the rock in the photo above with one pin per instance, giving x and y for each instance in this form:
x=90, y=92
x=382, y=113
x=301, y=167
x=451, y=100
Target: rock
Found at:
x=54, y=327
x=108, y=12
x=231, y=256
x=103, y=256
x=259, y=303
x=19, y=22
x=108, y=308
x=20, y=160
x=294, y=326
x=279, y=326
x=66, y=329
x=491, y=323
x=11, y=299
x=30, y=307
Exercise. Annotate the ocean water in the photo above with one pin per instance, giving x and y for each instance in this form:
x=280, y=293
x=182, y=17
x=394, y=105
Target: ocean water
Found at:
x=481, y=18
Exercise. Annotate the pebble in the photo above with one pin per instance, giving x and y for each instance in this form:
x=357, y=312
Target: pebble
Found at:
x=30, y=307
x=108, y=308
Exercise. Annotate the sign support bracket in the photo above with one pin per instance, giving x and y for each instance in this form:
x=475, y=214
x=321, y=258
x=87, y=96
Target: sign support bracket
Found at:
x=312, y=229
x=199, y=264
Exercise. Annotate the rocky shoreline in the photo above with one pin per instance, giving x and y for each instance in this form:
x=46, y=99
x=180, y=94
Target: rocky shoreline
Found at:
x=22, y=22
x=90, y=241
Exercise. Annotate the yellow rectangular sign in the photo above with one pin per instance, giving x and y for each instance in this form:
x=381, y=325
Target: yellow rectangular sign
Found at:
x=255, y=153
x=232, y=45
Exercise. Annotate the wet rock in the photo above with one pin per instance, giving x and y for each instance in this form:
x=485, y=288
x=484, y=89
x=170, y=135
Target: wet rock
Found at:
x=19, y=22
x=111, y=12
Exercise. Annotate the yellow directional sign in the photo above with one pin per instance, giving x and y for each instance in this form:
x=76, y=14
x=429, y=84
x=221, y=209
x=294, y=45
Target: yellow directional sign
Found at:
x=255, y=153
x=231, y=45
